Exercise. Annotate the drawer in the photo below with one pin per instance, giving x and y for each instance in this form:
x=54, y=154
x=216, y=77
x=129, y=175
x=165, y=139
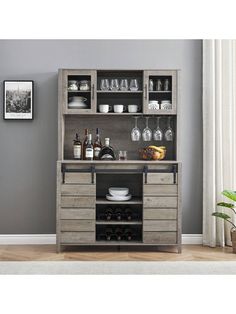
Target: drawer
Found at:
x=74, y=189
x=77, y=213
x=160, y=201
x=78, y=178
x=160, y=237
x=77, y=237
x=78, y=201
x=160, y=225
x=78, y=225
x=160, y=213
x=161, y=189
x=160, y=178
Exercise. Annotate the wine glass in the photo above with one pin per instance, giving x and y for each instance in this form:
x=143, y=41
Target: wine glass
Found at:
x=124, y=85
x=157, y=133
x=133, y=86
x=135, y=133
x=114, y=85
x=147, y=132
x=169, y=133
x=104, y=85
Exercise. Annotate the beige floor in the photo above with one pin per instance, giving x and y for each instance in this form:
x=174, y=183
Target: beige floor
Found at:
x=48, y=253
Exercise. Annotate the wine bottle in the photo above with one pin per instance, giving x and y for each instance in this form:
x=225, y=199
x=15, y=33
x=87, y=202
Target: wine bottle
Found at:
x=118, y=214
x=128, y=234
x=107, y=152
x=85, y=142
x=118, y=234
x=128, y=214
x=97, y=145
x=89, y=149
x=77, y=147
x=108, y=214
x=108, y=234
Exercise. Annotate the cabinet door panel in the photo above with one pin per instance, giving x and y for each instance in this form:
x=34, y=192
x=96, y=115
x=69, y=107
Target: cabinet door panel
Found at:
x=78, y=178
x=160, y=213
x=77, y=237
x=160, y=178
x=77, y=213
x=74, y=189
x=78, y=225
x=161, y=189
x=78, y=201
x=159, y=225
x=161, y=202
x=160, y=237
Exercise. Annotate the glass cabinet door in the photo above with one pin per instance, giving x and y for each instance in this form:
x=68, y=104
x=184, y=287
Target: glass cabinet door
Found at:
x=160, y=92
x=79, y=91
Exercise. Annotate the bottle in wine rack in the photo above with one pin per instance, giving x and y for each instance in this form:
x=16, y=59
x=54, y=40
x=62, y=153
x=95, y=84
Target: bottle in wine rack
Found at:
x=108, y=234
x=118, y=234
x=128, y=234
x=85, y=142
x=118, y=214
x=128, y=214
x=108, y=214
x=77, y=147
x=97, y=145
x=89, y=149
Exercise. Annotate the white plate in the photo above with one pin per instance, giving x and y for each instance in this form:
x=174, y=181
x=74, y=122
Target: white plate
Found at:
x=118, y=191
x=118, y=198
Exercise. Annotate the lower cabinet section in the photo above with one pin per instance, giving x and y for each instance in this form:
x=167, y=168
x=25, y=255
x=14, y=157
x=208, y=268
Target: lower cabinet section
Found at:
x=160, y=213
x=77, y=213
x=160, y=225
x=159, y=237
x=160, y=201
x=77, y=237
x=78, y=225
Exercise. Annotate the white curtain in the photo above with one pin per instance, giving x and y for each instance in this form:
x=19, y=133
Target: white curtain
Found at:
x=219, y=135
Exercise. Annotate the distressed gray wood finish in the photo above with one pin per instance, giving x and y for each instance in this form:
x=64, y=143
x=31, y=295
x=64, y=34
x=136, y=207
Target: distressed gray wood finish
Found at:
x=77, y=213
x=160, y=213
x=78, y=201
x=78, y=178
x=160, y=178
x=159, y=225
x=77, y=237
x=160, y=237
x=75, y=189
x=160, y=201
x=165, y=189
x=78, y=225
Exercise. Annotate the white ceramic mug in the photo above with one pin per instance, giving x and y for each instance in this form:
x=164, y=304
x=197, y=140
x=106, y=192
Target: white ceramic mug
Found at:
x=104, y=108
x=133, y=108
x=119, y=108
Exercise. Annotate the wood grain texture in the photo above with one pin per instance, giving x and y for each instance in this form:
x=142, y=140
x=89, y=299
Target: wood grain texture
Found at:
x=78, y=178
x=75, y=189
x=160, y=189
x=160, y=178
x=160, y=201
x=160, y=237
x=78, y=201
x=77, y=237
x=78, y=225
x=77, y=213
x=160, y=213
x=159, y=225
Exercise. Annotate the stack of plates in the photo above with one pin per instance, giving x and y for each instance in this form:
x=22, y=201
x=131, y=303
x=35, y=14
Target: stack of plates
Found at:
x=118, y=194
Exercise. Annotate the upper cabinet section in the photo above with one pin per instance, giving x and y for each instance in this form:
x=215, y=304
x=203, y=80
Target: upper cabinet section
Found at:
x=160, y=92
x=118, y=92
x=78, y=89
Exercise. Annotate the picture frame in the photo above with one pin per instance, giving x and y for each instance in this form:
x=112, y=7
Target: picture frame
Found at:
x=18, y=100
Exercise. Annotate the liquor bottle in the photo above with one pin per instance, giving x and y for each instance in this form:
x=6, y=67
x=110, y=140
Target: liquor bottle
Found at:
x=108, y=234
x=89, y=149
x=128, y=234
x=77, y=147
x=118, y=214
x=97, y=145
x=118, y=234
x=108, y=214
x=128, y=214
x=107, y=152
x=85, y=142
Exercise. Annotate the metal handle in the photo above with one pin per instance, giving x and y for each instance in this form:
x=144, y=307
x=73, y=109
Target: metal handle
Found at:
x=93, y=91
x=145, y=91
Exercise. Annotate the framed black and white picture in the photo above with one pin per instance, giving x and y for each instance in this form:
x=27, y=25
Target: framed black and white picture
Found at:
x=18, y=100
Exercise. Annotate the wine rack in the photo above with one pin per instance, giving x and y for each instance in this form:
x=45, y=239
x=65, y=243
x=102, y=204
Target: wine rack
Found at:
x=119, y=233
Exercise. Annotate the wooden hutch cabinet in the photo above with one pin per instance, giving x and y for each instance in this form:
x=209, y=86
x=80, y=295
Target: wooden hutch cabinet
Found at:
x=155, y=185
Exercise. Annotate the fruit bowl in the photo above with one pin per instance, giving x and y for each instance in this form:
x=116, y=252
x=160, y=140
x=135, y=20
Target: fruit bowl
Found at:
x=153, y=153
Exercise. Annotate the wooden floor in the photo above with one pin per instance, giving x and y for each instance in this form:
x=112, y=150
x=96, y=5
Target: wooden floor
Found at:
x=48, y=253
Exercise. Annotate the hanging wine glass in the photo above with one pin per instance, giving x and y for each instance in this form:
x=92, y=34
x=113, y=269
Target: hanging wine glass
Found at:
x=147, y=132
x=135, y=133
x=169, y=133
x=158, y=133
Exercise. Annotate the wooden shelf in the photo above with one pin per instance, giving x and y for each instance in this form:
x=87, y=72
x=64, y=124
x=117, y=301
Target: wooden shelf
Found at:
x=119, y=162
x=79, y=91
x=134, y=200
x=105, y=222
x=119, y=242
x=160, y=91
x=119, y=92
x=120, y=114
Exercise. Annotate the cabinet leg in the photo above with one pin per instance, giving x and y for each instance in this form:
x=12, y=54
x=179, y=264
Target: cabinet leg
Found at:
x=179, y=249
x=58, y=248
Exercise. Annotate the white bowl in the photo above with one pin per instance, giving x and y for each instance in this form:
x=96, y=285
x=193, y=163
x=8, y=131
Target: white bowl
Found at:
x=118, y=198
x=118, y=191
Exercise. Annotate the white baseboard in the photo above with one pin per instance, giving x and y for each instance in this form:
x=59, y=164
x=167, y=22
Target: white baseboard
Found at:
x=21, y=239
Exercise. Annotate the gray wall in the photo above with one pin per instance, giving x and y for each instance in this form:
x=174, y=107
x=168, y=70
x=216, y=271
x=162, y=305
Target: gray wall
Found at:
x=28, y=150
